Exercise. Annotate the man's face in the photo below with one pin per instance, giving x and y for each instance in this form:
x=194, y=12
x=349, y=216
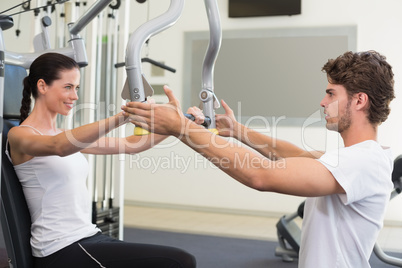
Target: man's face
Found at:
x=336, y=106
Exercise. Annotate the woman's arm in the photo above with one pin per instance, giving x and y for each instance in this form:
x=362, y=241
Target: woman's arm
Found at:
x=25, y=141
x=128, y=145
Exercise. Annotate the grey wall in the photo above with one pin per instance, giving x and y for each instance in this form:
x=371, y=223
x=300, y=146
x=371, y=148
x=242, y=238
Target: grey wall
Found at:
x=270, y=73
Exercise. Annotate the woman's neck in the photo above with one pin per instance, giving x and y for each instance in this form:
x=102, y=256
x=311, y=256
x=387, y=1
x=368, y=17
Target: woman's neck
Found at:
x=43, y=121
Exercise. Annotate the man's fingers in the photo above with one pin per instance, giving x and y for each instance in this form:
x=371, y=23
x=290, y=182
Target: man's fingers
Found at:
x=169, y=93
x=136, y=115
x=133, y=111
x=151, y=100
x=226, y=107
x=140, y=121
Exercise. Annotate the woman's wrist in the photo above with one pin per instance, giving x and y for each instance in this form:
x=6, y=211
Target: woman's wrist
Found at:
x=121, y=119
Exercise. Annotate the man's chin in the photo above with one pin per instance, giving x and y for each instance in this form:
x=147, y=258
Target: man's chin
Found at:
x=332, y=127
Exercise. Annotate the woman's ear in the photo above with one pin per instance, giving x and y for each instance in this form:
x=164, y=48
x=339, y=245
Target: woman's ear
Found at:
x=42, y=87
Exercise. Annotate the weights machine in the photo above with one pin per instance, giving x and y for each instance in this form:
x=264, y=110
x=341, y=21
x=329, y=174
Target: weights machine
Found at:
x=105, y=214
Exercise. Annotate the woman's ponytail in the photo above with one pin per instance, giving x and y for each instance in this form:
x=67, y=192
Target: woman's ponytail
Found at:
x=26, y=100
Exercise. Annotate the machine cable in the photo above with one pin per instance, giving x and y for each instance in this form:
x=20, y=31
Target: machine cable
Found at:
x=32, y=9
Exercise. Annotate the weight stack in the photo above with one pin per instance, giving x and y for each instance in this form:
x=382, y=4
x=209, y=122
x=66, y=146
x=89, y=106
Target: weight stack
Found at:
x=107, y=219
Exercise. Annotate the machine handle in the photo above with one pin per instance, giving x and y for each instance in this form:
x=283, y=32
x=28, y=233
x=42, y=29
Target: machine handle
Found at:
x=206, y=123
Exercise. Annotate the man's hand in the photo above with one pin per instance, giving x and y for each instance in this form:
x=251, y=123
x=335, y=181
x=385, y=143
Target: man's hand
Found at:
x=226, y=123
x=164, y=119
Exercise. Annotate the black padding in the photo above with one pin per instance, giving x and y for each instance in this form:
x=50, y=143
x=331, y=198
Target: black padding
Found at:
x=15, y=217
x=290, y=232
x=397, y=173
x=13, y=91
x=14, y=213
x=300, y=210
x=6, y=22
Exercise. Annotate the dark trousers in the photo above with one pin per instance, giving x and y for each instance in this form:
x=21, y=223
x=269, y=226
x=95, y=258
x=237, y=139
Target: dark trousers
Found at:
x=103, y=251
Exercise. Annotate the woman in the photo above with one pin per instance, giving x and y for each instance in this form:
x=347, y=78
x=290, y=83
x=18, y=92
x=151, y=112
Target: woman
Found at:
x=53, y=173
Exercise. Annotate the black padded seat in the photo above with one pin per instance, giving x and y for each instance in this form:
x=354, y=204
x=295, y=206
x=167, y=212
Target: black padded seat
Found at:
x=14, y=214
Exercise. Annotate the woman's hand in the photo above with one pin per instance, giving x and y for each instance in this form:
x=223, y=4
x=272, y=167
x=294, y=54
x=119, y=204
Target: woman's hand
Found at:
x=197, y=113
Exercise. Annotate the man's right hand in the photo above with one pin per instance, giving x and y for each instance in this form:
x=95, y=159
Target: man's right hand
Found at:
x=226, y=124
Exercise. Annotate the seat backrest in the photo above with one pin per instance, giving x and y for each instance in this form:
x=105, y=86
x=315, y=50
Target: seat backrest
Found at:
x=397, y=174
x=15, y=217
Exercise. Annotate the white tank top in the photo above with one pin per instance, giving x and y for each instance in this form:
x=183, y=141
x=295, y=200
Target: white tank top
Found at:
x=58, y=200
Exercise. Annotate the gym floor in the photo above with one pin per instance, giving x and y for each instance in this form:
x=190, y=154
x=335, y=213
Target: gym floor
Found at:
x=230, y=225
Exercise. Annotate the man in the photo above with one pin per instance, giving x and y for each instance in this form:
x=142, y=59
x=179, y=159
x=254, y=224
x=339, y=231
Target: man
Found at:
x=347, y=189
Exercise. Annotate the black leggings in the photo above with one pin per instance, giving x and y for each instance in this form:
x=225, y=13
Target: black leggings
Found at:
x=103, y=251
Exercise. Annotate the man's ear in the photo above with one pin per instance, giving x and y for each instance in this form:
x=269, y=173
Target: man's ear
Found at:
x=362, y=101
x=42, y=86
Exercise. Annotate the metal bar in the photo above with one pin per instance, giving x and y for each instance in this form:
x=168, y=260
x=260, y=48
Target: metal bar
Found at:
x=207, y=92
x=25, y=59
x=89, y=15
x=136, y=42
x=386, y=258
x=2, y=70
x=215, y=40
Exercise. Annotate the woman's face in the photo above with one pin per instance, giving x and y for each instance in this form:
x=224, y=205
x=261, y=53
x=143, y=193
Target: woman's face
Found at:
x=62, y=93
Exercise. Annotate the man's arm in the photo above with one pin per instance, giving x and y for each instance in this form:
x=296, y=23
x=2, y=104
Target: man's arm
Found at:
x=296, y=176
x=270, y=147
x=274, y=149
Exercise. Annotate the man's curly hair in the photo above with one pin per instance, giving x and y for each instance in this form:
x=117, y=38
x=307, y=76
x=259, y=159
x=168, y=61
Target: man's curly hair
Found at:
x=366, y=72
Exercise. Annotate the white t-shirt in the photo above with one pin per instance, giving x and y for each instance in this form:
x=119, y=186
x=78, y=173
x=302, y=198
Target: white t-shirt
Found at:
x=340, y=230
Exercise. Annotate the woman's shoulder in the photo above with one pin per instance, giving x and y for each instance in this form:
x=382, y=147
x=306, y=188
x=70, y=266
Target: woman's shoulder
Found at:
x=20, y=134
x=23, y=130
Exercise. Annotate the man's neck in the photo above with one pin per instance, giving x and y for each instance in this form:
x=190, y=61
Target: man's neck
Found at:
x=359, y=133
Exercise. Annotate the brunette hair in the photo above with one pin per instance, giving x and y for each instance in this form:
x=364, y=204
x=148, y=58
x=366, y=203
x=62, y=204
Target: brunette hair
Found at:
x=366, y=72
x=47, y=67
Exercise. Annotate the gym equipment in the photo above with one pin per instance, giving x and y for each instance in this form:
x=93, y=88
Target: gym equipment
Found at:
x=76, y=50
x=289, y=235
x=207, y=96
x=137, y=87
x=15, y=218
x=289, y=232
x=105, y=214
x=14, y=215
x=397, y=180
